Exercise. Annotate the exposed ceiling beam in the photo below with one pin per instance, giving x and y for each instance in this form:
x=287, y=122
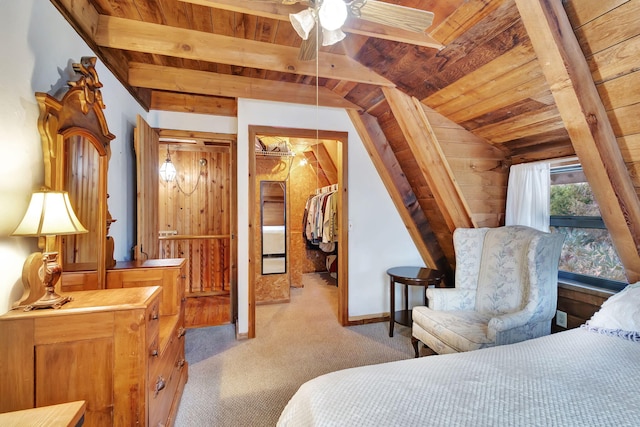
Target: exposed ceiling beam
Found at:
x=128, y=34
x=190, y=103
x=433, y=164
x=585, y=118
x=203, y=82
x=274, y=10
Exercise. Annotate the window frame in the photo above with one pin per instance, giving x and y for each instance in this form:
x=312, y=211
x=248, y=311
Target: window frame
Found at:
x=582, y=222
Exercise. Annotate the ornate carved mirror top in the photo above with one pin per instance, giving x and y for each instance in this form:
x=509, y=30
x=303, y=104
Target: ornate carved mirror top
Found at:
x=76, y=152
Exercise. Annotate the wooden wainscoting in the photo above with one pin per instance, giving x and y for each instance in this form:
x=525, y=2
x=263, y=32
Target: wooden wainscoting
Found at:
x=207, y=276
x=580, y=303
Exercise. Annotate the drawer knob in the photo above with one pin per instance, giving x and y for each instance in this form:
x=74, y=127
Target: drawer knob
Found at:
x=181, y=331
x=153, y=316
x=154, y=352
x=180, y=364
x=160, y=384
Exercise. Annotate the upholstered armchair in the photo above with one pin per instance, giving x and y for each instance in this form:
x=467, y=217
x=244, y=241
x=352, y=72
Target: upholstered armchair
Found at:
x=505, y=291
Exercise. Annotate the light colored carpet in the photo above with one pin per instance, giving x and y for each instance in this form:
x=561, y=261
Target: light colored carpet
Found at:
x=248, y=383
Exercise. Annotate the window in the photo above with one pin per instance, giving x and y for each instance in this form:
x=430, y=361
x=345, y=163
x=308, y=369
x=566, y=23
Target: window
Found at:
x=588, y=255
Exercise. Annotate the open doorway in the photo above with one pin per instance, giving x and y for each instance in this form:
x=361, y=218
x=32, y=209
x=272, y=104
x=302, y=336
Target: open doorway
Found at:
x=325, y=152
x=196, y=218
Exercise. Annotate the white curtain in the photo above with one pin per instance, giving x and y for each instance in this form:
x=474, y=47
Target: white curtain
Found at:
x=528, y=195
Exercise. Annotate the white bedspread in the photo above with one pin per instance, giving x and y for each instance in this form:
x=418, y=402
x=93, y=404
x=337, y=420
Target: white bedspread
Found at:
x=573, y=378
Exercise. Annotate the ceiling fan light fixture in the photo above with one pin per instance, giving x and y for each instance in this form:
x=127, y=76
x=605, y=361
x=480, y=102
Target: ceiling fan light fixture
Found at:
x=303, y=22
x=330, y=37
x=332, y=14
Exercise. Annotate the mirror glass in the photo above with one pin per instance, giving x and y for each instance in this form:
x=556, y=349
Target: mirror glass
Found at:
x=81, y=180
x=274, y=230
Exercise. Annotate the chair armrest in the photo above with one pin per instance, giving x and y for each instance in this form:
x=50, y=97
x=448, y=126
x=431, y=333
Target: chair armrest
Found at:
x=531, y=313
x=451, y=298
x=519, y=326
x=511, y=320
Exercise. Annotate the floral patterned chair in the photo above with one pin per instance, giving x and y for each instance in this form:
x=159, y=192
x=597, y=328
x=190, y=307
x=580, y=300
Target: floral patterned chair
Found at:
x=505, y=291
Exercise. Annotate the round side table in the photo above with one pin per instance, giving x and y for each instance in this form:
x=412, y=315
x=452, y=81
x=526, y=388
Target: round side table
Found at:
x=409, y=276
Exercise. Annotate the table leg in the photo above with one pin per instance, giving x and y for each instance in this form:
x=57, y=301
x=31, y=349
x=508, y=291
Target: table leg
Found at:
x=392, y=307
x=406, y=297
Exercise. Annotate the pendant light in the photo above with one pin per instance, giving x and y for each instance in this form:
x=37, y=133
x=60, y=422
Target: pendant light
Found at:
x=168, y=170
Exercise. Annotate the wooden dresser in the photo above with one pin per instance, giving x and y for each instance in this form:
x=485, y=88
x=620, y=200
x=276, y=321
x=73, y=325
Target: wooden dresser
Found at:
x=117, y=349
x=63, y=415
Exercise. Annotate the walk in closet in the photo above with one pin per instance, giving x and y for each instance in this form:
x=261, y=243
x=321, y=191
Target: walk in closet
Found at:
x=298, y=210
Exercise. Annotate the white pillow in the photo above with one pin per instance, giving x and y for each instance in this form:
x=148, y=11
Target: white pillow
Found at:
x=620, y=312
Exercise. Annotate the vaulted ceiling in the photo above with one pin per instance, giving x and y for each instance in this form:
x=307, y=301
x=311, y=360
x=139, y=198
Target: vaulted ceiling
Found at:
x=477, y=68
x=485, y=76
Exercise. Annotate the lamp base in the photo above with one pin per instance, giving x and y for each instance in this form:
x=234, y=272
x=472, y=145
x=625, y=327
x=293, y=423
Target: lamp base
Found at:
x=49, y=272
x=49, y=300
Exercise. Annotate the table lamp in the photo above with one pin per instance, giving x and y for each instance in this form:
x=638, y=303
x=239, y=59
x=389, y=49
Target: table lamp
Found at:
x=49, y=214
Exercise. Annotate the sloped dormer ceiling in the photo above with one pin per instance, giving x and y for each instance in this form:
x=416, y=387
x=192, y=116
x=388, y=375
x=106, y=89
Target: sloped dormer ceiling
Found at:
x=443, y=114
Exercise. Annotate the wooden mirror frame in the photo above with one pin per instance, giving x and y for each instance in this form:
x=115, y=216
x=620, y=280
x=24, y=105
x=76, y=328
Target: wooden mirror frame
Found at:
x=78, y=113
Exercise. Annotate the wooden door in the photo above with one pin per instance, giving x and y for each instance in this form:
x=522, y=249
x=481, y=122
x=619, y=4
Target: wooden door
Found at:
x=145, y=143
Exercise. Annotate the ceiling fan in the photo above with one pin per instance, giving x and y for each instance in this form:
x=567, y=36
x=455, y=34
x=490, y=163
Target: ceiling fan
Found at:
x=323, y=20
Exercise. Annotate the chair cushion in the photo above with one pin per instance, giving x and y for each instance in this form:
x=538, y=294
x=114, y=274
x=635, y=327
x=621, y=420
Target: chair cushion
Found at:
x=461, y=330
x=468, y=243
x=503, y=281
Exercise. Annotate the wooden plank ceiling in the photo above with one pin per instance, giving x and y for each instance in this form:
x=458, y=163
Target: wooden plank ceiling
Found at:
x=486, y=77
x=475, y=67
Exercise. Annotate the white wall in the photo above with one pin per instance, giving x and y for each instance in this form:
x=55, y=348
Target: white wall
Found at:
x=37, y=49
x=191, y=121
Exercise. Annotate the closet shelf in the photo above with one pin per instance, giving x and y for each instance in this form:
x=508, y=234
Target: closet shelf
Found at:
x=275, y=153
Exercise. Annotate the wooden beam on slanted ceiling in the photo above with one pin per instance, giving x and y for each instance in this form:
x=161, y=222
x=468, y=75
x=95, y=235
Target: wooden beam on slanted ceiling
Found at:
x=189, y=103
x=567, y=72
x=401, y=193
x=205, y=83
x=137, y=36
x=433, y=164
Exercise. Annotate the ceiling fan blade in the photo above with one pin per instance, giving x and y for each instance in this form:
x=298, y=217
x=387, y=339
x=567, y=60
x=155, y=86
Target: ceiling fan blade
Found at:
x=395, y=15
x=309, y=47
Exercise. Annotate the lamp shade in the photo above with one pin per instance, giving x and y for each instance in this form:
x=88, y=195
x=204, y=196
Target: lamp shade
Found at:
x=168, y=170
x=49, y=213
x=332, y=14
x=332, y=37
x=303, y=22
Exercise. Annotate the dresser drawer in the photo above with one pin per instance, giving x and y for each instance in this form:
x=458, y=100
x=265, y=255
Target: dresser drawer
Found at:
x=164, y=379
x=152, y=317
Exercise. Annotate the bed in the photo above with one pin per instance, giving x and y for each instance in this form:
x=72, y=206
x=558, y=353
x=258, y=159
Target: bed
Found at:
x=582, y=377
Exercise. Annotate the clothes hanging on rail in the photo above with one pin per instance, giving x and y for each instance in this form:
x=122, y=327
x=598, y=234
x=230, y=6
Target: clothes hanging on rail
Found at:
x=320, y=221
